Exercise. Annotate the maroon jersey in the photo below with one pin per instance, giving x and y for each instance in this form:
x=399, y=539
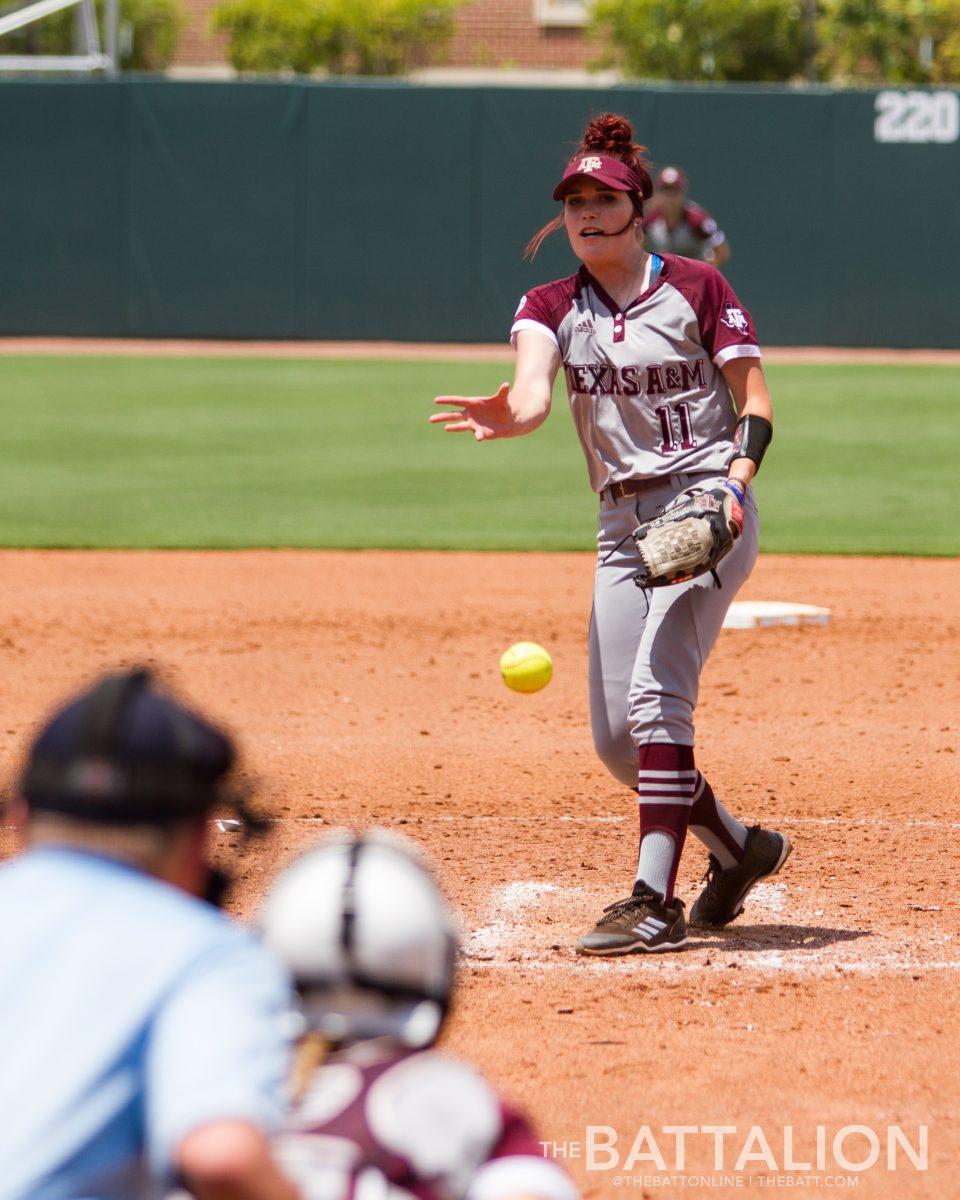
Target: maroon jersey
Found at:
x=694, y=236
x=392, y=1124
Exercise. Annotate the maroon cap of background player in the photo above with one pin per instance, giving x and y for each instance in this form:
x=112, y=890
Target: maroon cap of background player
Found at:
x=606, y=170
x=672, y=177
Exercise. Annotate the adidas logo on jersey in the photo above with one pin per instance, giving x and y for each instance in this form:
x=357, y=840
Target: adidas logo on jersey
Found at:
x=585, y=326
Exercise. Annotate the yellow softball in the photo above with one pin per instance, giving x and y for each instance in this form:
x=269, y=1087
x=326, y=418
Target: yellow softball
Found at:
x=526, y=667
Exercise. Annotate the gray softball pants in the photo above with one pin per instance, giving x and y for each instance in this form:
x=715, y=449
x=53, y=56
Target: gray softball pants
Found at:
x=647, y=648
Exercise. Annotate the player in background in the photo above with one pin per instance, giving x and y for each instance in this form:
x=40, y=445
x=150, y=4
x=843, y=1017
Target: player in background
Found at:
x=669, y=400
x=672, y=224
x=381, y=1114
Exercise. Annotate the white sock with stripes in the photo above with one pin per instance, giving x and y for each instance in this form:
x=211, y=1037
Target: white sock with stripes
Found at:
x=718, y=829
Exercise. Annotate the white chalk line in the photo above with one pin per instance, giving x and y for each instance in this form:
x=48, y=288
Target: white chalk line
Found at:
x=679, y=964
x=519, y=912
x=499, y=931
x=514, y=913
x=548, y=818
x=502, y=941
x=591, y=819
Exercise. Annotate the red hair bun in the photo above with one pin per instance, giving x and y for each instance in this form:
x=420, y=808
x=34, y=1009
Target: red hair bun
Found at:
x=612, y=134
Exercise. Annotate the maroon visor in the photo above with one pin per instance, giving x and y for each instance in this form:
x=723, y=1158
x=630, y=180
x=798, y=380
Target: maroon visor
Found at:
x=606, y=170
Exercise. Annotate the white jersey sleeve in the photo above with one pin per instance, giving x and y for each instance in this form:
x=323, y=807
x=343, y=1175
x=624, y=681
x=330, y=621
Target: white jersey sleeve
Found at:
x=543, y=309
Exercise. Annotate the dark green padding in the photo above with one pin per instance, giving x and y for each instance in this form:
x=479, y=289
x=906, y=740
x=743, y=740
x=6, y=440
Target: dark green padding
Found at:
x=295, y=209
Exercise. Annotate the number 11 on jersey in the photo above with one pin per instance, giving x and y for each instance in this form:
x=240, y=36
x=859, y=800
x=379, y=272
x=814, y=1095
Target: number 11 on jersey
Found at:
x=675, y=423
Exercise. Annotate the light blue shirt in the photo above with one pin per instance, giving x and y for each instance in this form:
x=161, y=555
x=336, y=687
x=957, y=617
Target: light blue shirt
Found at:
x=131, y=1014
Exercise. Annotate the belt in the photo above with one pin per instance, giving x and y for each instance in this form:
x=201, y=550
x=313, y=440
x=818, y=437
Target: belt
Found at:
x=632, y=487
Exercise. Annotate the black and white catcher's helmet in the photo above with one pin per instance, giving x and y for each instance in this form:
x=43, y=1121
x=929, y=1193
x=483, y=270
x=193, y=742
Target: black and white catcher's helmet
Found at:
x=367, y=934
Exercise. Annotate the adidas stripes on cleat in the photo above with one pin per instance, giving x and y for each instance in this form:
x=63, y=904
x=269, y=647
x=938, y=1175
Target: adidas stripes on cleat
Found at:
x=641, y=924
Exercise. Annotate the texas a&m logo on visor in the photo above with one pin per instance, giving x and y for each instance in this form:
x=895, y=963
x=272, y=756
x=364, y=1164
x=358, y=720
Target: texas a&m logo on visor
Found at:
x=590, y=164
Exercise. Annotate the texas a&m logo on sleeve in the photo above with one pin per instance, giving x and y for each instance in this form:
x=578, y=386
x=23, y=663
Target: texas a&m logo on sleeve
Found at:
x=735, y=319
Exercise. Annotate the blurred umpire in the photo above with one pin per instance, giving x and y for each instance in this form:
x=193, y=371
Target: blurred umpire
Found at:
x=144, y=1042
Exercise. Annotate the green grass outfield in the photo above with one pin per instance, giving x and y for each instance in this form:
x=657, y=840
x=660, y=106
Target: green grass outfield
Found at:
x=163, y=452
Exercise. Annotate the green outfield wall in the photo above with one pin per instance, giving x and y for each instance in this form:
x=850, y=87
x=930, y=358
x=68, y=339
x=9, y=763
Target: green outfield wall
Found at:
x=294, y=209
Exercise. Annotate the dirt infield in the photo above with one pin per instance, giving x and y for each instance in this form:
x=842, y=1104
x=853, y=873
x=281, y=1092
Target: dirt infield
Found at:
x=466, y=352
x=365, y=688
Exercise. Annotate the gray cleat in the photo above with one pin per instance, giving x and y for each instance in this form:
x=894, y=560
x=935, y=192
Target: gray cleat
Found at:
x=641, y=924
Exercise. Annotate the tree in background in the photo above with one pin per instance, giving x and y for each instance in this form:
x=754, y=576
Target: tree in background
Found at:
x=363, y=37
x=149, y=30
x=856, y=41
x=889, y=41
x=153, y=27
x=758, y=40
x=275, y=35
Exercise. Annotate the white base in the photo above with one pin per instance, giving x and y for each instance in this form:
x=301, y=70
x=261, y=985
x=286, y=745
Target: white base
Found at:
x=756, y=614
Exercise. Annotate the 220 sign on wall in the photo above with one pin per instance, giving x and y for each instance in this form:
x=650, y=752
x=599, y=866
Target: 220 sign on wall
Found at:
x=917, y=117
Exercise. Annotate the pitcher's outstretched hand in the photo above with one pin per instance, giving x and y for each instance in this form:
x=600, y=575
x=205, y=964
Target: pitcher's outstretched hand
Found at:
x=485, y=417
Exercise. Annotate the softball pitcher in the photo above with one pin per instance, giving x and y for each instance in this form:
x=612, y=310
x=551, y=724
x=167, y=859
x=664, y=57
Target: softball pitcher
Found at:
x=669, y=400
